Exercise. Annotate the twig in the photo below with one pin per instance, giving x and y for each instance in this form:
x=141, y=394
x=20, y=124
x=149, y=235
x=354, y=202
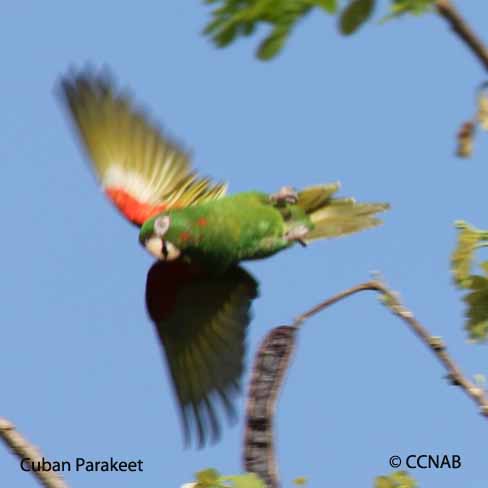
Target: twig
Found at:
x=334, y=299
x=447, y=10
x=23, y=449
x=435, y=344
x=276, y=349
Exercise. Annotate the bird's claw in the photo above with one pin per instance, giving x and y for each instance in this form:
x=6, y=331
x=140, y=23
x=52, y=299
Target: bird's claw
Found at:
x=297, y=234
x=286, y=195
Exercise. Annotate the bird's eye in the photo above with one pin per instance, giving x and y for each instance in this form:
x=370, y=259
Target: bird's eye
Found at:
x=161, y=225
x=164, y=250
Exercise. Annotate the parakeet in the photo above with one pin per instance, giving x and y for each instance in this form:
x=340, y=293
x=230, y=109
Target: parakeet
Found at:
x=197, y=294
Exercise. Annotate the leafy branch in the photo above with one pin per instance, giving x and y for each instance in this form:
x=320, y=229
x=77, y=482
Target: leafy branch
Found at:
x=241, y=17
x=234, y=18
x=470, y=240
x=237, y=18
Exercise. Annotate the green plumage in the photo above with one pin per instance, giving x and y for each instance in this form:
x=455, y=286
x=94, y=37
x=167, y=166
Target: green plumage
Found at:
x=251, y=225
x=225, y=231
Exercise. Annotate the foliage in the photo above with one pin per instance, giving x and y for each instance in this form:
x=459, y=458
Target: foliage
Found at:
x=234, y=18
x=210, y=478
x=241, y=17
x=355, y=15
x=397, y=479
x=469, y=240
x=414, y=7
x=248, y=480
x=463, y=255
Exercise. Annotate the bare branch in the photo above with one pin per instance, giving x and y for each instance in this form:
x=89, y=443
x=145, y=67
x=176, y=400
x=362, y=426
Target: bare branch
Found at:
x=435, y=344
x=23, y=449
x=447, y=10
x=272, y=360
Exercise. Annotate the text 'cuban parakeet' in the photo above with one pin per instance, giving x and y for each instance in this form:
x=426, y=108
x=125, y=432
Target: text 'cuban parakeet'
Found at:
x=197, y=295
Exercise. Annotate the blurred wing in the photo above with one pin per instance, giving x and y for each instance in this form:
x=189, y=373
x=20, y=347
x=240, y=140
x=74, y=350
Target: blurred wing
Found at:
x=201, y=321
x=140, y=170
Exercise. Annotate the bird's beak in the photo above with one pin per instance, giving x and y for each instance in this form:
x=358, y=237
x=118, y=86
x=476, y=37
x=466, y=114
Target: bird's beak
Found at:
x=161, y=249
x=155, y=246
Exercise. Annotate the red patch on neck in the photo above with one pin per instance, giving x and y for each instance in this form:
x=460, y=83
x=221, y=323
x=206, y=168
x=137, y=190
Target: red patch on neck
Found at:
x=202, y=222
x=136, y=211
x=185, y=236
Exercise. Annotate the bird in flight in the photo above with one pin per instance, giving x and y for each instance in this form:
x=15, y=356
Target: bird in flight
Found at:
x=197, y=294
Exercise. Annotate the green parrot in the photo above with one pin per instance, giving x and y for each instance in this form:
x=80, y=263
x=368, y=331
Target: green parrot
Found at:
x=197, y=294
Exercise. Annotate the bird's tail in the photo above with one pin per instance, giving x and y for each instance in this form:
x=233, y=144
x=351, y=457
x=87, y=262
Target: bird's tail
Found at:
x=334, y=217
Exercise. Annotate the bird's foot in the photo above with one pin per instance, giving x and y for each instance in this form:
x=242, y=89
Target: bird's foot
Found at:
x=297, y=234
x=286, y=195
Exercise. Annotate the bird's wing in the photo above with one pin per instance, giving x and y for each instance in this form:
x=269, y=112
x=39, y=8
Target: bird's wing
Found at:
x=140, y=170
x=201, y=320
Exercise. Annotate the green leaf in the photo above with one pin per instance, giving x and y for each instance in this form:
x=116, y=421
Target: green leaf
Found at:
x=415, y=7
x=247, y=28
x=234, y=18
x=207, y=478
x=476, y=300
x=462, y=257
x=248, y=480
x=397, y=479
x=273, y=44
x=214, y=25
x=477, y=311
x=328, y=5
x=226, y=35
x=383, y=482
x=402, y=7
x=354, y=15
x=403, y=480
x=476, y=282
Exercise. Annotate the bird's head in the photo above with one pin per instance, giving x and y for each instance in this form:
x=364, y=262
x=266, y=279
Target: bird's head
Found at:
x=155, y=235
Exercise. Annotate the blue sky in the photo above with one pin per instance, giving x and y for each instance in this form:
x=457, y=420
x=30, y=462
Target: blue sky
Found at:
x=82, y=372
